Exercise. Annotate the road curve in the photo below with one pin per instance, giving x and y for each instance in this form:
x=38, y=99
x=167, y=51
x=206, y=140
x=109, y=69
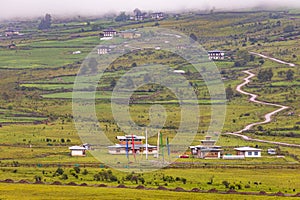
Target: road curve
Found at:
x=274, y=59
x=268, y=116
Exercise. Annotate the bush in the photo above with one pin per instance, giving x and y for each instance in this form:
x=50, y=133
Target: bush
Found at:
x=64, y=177
x=59, y=171
x=77, y=169
x=226, y=183
x=85, y=172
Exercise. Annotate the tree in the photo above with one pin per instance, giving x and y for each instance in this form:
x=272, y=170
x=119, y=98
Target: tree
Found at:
x=122, y=17
x=229, y=92
x=290, y=75
x=265, y=75
x=289, y=28
x=59, y=171
x=193, y=37
x=113, y=83
x=45, y=23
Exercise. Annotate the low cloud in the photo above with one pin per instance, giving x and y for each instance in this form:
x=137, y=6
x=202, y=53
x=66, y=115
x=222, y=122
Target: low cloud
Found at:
x=33, y=8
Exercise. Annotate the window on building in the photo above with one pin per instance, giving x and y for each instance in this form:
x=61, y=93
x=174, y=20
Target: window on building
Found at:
x=249, y=153
x=256, y=153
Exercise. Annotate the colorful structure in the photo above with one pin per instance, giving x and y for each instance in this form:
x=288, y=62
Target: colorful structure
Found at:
x=207, y=149
x=132, y=144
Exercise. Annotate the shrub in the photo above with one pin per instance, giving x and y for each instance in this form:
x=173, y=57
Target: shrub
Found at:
x=226, y=183
x=64, y=177
x=77, y=169
x=85, y=172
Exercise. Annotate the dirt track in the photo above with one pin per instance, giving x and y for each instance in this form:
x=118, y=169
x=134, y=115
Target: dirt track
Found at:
x=268, y=116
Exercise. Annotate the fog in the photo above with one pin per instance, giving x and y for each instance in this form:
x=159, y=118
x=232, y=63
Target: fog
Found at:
x=33, y=8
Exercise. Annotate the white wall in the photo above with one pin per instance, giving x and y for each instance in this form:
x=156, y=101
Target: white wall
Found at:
x=77, y=153
x=252, y=154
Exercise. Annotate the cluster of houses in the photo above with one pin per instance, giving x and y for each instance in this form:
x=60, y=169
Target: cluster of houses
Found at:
x=133, y=144
x=109, y=33
x=138, y=15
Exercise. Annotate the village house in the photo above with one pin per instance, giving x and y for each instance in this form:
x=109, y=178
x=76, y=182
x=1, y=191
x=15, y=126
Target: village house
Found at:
x=131, y=144
x=248, y=152
x=103, y=50
x=138, y=15
x=216, y=55
x=77, y=151
x=130, y=34
x=207, y=149
x=110, y=32
x=11, y=32
x=157, y=15
x=11, y=46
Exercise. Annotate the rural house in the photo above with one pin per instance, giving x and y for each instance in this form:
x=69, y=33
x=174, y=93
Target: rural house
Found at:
x=77, y=151
x=248, y=152
x=11, y=32
x=103, y=50
x=207, y=149
x=138, y=15
x=157, y=15
x=130, y=144
x=130, y=34
x=216, y=55
x=110, y=32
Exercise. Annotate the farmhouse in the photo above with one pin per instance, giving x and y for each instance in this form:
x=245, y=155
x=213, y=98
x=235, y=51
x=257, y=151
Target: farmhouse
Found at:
x=131, y=144
x=9, y=33
x=103, y=50
x=77, y=151
x=248, y=152
x=110, y=32
x=11, y=46
x=157, y=15
x=216, y=55
x=138, y=15
x=207, y=149
x=130, y=34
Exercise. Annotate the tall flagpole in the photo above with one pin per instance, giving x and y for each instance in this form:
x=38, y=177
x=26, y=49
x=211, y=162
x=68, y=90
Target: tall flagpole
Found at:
x=157, y=144
x=127, y=149
x=133, y=150
x=146, y=144
x=162, y=147
x=168, y=146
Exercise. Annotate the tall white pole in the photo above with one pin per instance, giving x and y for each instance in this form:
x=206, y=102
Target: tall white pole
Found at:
x=157, y=144
x=146, y=144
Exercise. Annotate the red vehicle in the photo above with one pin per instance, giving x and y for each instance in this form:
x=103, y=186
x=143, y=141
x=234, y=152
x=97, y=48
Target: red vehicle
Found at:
x=184, y=156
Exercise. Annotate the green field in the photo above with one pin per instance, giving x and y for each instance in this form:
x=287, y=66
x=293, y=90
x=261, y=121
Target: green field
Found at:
x=37, y=120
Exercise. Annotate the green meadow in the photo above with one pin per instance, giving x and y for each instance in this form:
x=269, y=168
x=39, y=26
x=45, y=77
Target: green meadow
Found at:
x=37, y=121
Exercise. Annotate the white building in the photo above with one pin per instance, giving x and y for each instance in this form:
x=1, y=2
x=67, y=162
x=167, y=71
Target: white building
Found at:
x=157, y=15
x=207, y=149
x=110, y=32
x=248, y=152
x=216, y=55
x=103, y=50
x=179, y=71
x=131, y=144
x=77, y=151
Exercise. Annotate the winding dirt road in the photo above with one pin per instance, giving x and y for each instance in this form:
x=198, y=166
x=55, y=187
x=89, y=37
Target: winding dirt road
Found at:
x=268, y=116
